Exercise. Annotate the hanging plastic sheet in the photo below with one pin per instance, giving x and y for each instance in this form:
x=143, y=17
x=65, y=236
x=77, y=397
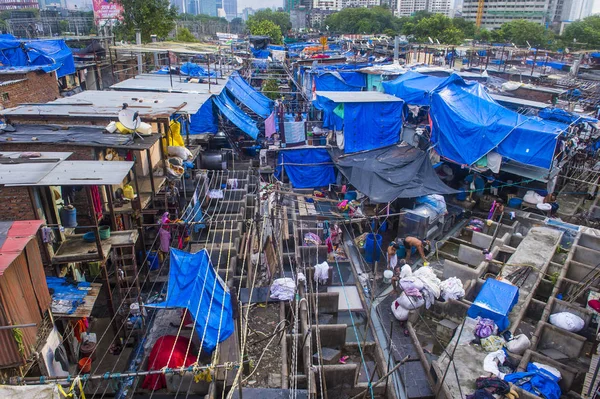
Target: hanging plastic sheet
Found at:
x=261, y=54
x=204, y=121
x=306, y=168
x=414, y=88
x=236, y=115
x=464, y=112
x=195, y=286
x=246, y=94
x=330, y=119
x=195, y=71
x=384, y=174
x=45, y=55
x=371, y=125
x=333, y=81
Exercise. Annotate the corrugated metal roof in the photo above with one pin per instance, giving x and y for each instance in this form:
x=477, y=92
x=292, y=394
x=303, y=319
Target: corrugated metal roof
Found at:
x=18, y=236
x=358, y=96
x=84, y=173
x=29, y=173
x=107, y=104
x=165, y=84
x=519, y=101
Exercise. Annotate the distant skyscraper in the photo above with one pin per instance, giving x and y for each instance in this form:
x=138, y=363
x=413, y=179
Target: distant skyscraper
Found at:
x=230, y=7
x=246, y=12
x=208, y=7
x=406, y=8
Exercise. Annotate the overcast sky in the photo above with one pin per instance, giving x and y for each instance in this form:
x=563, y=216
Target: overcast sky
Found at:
x=256, y=4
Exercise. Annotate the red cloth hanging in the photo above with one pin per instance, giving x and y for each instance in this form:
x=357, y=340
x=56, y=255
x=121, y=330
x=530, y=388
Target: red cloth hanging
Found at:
x=159, y=357
x=97, y=201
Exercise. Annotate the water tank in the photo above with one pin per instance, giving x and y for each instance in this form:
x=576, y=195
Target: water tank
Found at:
x=214, y=160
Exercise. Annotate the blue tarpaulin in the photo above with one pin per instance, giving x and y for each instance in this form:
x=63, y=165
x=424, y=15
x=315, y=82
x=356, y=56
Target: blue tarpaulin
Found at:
x=236, y=115
x=195, y=286
x=552, y=64
x=495, y=301
x=560, y=115
x=330, y=119
x=371, y=125
x=414, y=88
x=464, y=112
x=306, y=168
x=204, y=120
x=333, y=81
x=246, y=94
x=536, y=380
x=195, y=71
x=45, y=55
x=262, y=54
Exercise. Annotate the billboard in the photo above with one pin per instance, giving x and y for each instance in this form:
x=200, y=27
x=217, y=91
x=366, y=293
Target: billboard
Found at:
x=107, y=9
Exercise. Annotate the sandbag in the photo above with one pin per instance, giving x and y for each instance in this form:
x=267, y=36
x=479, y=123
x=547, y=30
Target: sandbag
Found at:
x=180, y=152
x=567, y=321
x=411, y=303
x=518, y=345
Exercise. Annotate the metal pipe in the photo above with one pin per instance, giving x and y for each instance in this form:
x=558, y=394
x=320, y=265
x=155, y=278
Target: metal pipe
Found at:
x=18, y=326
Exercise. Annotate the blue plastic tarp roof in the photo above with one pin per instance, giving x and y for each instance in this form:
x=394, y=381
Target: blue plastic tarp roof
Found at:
x=246, y=94
x=371, y=125
x=195, y=71
x=204, y=121
x=414, y=88
x=195, y=286
x=330, y=119
x=306, y=168
x=464, y=112
x=560, y=115
x=236, y=115
x=261, y=54
x=33, y=55
x=334, y=81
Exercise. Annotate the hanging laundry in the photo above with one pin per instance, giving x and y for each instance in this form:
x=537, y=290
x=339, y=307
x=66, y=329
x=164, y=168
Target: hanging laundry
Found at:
x=165, y=240
x=232, y=184
x=321, y=273
x=270, y=127
x=97, y=201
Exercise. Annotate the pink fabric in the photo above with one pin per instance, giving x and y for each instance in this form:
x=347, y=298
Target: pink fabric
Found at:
x=165, y=240
x=270, y=125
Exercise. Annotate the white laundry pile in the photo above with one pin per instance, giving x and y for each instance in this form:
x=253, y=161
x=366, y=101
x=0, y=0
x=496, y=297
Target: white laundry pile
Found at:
x=283, y=289
x=452, y=288
x=215, y=194
x=321, y=273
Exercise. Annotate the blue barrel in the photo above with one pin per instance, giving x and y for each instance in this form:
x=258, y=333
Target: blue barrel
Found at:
x=370, y=254
x=153, y=261
x=462, y=195
x=68, y=216
x=515, y=202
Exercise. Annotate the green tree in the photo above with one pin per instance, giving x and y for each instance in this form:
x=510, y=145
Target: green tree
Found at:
x=279, y=18
x=586, y=32
x=265, y=28
x=439, y=27
x=270, y=88
x=467, y=27
x=521, y=32
x=184, y=35
x=63, y=26
x=150, y=16
x=389, y=32
x=483, y=35
x=362, y=20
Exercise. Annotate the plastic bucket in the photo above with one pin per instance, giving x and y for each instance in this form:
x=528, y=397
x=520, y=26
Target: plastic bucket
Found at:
x=153, y=262
x=68, y=216
x=104, y=232
x=387, y=276
x=85, y=365
x=515, y=202
x=87, y=350
x=372, y=253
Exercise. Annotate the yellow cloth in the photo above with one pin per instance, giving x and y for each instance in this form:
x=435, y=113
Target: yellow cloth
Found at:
x=175, y=134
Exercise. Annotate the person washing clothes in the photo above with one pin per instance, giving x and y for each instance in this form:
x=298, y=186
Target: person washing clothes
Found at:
x=392, y=257
x=423, y=247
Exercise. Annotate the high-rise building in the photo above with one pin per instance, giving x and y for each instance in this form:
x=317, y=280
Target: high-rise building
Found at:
x=246, y=12
x=544, y=12
x=230, y=7
x=18, y=4
x=208, y=7
x=439, y=7
x=406, y=8
x=392, y=5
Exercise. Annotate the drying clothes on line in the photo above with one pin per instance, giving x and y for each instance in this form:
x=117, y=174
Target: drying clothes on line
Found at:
x=270, y=127
x=97, y=201
x=215, y=194
x=175, y=355
x=47, y=235
x=164, y=237
x=232, y=183
x=311, y=239
x=321, y=273
x=283, y=289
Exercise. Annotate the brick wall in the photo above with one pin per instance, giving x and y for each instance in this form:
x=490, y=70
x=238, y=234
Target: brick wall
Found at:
x=35, y=88
x=79, y=153
x=15, y=204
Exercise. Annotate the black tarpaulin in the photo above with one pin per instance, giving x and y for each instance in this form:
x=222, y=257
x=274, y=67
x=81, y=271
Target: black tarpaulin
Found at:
x=384, y=174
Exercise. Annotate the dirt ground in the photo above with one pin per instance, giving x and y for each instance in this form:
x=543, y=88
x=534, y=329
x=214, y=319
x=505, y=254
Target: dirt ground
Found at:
x=262, y=323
